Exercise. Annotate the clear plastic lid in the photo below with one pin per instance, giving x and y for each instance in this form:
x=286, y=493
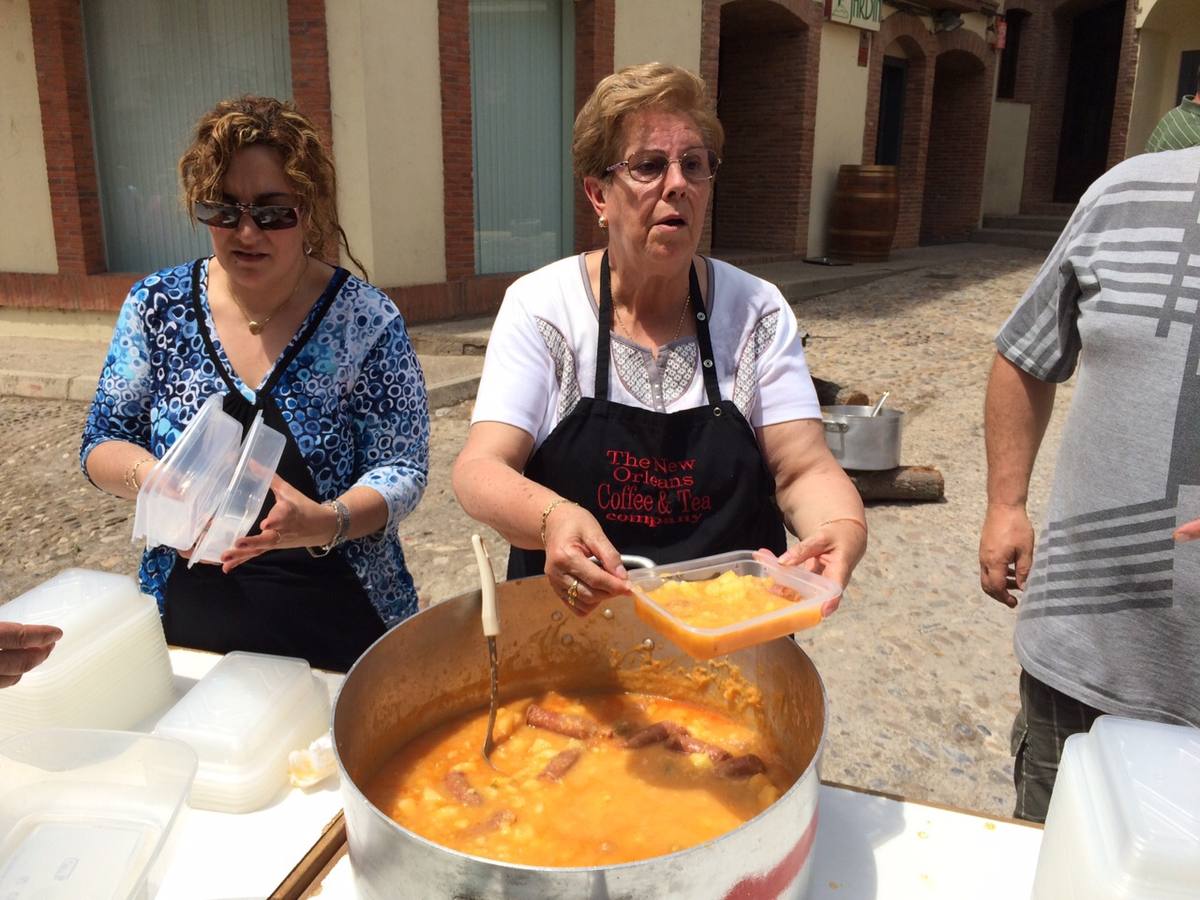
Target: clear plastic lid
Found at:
x=240, y=505
x=732, y=595
x=182, y=491
x=1150, y=772
x=87, y=813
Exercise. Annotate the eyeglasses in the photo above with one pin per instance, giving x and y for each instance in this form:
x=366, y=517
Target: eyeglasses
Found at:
x=696, y=165
x=228, y=215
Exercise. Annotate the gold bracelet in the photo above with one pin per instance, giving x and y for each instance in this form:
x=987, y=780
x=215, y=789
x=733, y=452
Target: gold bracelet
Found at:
x=859, y=522
x=549, y=509
x=131, y=481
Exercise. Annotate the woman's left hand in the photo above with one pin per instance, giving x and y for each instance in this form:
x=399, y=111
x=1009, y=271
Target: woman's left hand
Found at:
x=294, y=521
x=832, y=550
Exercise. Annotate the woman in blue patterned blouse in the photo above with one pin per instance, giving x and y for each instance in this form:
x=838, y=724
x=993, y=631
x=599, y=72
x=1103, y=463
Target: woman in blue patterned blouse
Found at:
x=324, y=356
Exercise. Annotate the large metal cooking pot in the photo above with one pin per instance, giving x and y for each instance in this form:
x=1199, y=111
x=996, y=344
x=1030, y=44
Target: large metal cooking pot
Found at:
x=434, y=666
x=859, y=440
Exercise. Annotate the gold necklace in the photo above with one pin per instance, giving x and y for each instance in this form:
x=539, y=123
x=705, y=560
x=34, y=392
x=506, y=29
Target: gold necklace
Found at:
x=687, y=301
x=256, y=326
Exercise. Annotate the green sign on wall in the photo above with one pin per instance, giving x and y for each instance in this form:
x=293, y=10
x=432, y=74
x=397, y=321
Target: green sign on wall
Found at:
x=859, y=13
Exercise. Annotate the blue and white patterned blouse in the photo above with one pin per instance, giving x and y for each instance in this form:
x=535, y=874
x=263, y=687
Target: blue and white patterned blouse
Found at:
x=353, y=398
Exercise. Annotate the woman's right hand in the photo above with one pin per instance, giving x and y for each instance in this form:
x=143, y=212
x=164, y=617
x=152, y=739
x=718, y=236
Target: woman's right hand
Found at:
x=572, y=536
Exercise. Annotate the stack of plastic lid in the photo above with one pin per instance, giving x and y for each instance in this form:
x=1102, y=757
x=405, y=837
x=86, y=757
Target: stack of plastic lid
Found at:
x=243, y=718
x=239, y=507
x=1124, y=818
x=111, y=668
x=88, y=813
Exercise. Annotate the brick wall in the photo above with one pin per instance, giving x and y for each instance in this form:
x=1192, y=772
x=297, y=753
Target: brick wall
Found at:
x=958, y=129
x=768, y=58
x=907, y=33
x=1047, y=44
x=67, y=134
x=1123, y=102
x=593, y=60
x=458, y=185
x=309, y=50
x=710, y=54
x=1047, y=41
x=1027, y=85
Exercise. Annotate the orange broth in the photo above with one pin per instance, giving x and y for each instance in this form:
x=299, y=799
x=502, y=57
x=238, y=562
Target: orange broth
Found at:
x=614, y=804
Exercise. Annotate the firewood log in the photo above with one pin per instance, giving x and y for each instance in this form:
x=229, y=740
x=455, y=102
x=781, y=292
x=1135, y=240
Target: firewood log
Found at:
x=901, y=483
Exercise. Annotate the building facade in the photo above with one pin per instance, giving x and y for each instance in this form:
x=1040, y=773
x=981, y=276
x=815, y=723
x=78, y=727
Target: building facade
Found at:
x=450, y=123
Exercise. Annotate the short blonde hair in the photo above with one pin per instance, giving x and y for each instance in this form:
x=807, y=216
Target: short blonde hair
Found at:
x=600, y=125
x=247, y=121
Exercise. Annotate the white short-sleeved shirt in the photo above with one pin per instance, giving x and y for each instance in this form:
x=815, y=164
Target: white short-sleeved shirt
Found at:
x=541, y=357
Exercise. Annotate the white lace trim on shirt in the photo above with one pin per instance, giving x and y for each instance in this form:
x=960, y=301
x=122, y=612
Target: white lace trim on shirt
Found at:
x=745, y=384
x=566, y=372
x=656, y=383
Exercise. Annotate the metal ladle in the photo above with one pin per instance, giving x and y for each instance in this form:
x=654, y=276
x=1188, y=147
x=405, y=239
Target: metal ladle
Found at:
x=878, y=406
x=491, y=629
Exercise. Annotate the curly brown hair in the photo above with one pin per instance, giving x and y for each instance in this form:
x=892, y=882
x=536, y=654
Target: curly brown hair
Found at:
x=246, y=121
x=600, y=125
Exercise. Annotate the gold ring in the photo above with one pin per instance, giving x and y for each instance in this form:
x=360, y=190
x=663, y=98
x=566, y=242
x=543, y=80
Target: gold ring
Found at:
x=573, y=593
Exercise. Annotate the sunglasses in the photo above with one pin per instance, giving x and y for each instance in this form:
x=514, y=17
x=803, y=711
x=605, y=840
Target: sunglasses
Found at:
x=228, y=215
x=697, y=165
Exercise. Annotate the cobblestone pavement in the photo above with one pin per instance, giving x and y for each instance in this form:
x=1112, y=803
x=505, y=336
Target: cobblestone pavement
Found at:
x=917, y=663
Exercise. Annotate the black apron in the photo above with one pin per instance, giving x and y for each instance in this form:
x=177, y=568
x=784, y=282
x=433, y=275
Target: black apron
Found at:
x=284, y=602
x=670, y=486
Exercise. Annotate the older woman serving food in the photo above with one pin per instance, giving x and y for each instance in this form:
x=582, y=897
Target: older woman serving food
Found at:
x=643, y=399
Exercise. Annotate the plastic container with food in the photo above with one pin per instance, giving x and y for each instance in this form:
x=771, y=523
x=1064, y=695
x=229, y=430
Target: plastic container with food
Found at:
x=243, y=719
x=240, y=505
x=110, y=669
x=182, y=490
x=1124, y=819
x=718, y=604
x=88, y=813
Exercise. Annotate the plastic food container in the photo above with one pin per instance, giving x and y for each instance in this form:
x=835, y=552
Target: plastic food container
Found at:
x=88, y=813
x=239, y=507
x=182, y=491
x=1124, y=819
x=110, y=669
x=704, y=643
x=243, y=718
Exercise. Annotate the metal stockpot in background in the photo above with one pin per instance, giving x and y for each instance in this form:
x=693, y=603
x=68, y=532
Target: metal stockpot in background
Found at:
x=859, y=440
x=433, y=667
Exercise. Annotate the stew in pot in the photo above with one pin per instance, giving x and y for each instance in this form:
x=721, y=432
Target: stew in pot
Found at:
x=593, y=779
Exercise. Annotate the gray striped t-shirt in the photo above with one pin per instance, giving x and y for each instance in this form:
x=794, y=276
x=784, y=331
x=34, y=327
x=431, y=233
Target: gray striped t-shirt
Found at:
x=1111, y=614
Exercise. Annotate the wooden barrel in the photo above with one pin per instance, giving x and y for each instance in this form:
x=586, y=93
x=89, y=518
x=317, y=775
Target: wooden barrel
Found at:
x=863, y=220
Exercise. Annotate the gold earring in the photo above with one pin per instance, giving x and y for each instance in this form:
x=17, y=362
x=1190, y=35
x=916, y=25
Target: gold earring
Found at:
x=602, y=222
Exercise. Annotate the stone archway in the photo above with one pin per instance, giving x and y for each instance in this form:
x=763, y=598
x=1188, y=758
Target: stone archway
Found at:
x=904, y=36
x=762, y=57
x=958, y=128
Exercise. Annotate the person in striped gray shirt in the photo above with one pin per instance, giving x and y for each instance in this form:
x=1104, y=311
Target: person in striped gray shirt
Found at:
x=1109, y=613
x=1180, y=127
